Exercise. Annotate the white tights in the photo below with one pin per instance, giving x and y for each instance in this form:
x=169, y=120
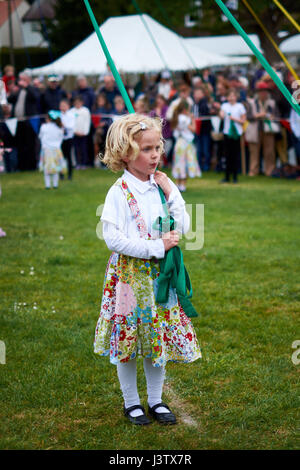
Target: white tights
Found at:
x=55, y=179
x=128, y=381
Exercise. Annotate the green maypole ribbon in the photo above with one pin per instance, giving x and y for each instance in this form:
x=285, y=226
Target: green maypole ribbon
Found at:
x=260, y=57
x=109, y=60
x=173, y=272
x=233, y=132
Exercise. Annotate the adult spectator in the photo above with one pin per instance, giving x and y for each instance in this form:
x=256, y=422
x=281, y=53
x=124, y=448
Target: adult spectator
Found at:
x=208, y=77
x=160, y=110
x=164, y=85
x=52, y=95
x=202, y=139
x=25, y=105
x=261, y=130
x=109, y=89
x=85, y=92
x=81, y=131
x=88, y=97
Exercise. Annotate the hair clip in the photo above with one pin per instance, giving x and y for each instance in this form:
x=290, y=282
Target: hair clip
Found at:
x=143, y=126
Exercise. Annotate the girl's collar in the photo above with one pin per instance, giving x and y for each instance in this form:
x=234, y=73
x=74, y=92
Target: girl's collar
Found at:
x=142, y=186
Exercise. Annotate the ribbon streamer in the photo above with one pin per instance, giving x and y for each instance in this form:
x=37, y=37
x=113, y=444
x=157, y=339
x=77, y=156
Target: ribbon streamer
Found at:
x=109, y=60
x=279, y=52
x=289, y=17
x=260, y=57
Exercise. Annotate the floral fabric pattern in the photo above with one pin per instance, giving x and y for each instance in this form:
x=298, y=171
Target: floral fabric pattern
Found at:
x=131, y=323
x=52, y=161
x=185, y=163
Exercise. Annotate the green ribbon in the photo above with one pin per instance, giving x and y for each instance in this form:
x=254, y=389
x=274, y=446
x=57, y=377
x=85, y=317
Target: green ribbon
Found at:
x=233, y=133
x=292, y=101
x=109, y=60
x=173, y=272
x=267, y=121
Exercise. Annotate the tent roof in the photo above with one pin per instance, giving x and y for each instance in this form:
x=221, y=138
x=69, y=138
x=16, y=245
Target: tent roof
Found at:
x=234, y=45
x=231, y=45
x=291, y=45
x=133, y=50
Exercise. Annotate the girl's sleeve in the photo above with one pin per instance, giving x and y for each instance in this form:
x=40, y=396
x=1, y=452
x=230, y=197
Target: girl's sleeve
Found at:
x=177, y=209
x=115, y=234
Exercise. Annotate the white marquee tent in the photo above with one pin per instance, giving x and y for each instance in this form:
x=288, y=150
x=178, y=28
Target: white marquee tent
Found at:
x=234, y=45
x=133, y=51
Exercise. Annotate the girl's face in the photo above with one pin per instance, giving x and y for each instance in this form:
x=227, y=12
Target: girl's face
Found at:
x=63, y=106
x=101, y=101
x=147, y=160
x=232, y=98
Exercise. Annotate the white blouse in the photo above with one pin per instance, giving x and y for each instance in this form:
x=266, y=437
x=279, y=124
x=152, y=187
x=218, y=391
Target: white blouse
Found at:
x=120, y=230
x=236, y=110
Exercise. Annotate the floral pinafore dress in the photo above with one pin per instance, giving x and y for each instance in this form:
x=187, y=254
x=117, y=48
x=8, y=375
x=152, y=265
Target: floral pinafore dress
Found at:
x=131, y=322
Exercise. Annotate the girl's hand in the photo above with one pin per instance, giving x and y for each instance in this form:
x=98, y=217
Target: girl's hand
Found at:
x=162, y=180
x=170, y=239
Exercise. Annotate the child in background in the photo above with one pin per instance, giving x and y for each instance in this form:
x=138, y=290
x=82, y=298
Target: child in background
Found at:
x=119, y=106
x=234, y=115
x=51, y=161
x=131, y=322
x=81, y=132
x=185, y=162
x=68, y=121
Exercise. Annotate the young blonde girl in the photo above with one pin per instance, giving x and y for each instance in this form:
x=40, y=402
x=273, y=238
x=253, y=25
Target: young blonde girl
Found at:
x=51, y=160
x=131, y=322
x=185, y=162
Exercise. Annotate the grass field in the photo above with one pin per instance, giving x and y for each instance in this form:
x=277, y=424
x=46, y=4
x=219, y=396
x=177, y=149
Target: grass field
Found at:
x=243, y=394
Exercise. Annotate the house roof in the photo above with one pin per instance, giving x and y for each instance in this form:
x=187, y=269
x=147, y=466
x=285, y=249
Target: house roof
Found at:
x=4, y=10
x=40, y=9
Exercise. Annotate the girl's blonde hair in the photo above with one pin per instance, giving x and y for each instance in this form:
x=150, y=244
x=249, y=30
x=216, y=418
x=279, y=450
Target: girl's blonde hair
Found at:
x=123, y=136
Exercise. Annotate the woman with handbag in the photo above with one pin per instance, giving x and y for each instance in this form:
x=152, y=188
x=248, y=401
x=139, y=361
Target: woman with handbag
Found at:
x=261, y=130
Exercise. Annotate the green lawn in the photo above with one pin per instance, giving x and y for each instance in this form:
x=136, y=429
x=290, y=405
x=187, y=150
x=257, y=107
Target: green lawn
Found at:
x=56, y=394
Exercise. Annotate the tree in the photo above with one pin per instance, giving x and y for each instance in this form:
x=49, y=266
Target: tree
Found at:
x=209, y=19
x=72, y=23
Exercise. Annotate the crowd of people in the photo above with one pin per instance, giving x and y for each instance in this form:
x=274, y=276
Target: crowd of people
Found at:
x=219, y=121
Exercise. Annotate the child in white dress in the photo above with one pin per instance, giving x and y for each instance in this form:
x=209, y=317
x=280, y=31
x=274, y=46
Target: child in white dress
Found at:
x=185, y=162
x=131, y=321
x=51, y=160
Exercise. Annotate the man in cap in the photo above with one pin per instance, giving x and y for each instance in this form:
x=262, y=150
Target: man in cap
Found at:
x=53, y=94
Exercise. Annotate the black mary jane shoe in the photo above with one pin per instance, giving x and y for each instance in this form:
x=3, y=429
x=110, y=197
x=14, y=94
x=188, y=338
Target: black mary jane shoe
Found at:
x=141, y=420
x=162, y=418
